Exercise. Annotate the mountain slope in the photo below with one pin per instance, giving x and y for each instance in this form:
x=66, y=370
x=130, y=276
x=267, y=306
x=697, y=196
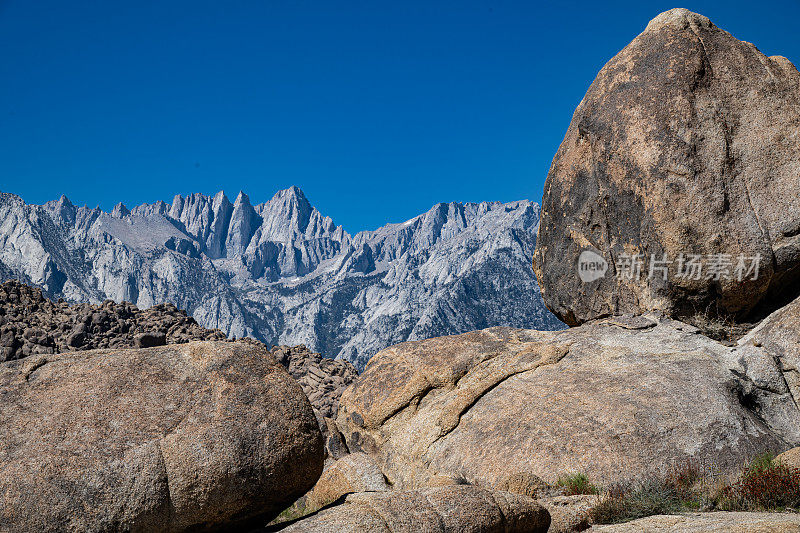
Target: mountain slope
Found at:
x=284, y=273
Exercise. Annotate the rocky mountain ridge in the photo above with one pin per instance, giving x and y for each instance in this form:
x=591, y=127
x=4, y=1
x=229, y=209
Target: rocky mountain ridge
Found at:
x=282, y=272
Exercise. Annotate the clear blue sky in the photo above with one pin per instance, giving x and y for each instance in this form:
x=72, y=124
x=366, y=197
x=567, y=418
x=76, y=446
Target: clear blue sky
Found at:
x=376, y=109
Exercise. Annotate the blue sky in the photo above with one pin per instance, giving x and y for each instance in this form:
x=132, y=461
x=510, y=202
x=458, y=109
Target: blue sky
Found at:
x=377, y=110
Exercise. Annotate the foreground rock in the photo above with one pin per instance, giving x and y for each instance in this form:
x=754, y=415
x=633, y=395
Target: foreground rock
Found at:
x=790, y=458
x=686, y=143
x=719, y=522
x=436, y=510
x=353, y=473
x=174, y=438
x=570, y=513
x=616, y=399
x=768, y=357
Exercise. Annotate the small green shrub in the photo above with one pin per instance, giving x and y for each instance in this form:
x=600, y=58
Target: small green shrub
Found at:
x=575, y=484
x=764, y=485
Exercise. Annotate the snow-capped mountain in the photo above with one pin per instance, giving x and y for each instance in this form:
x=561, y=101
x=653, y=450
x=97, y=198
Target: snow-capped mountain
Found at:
x=282, y=272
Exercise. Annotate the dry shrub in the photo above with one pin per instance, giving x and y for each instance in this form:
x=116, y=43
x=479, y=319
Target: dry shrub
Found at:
x=765, y=485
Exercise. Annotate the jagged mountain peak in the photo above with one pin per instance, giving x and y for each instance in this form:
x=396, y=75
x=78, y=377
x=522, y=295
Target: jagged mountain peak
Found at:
x=7, y=197
x=241, y=199
x=120, y=211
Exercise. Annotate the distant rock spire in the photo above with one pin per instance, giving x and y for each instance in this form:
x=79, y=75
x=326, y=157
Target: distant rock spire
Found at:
x=120, y=211
x=244, y=221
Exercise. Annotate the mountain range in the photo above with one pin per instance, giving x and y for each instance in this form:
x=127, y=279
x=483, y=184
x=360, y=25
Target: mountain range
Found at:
x=282, y=272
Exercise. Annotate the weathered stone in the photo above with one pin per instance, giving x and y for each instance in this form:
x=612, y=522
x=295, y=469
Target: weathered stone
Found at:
x=790, y=458
x=334, y=443
x=435, y=510
x=524, y=483
x=687, y=142
x=612, y=402
x=149, y=340
x=569, y=513
x=718, y=522
x=174, y=438
x=769, y=359
x=352, y=473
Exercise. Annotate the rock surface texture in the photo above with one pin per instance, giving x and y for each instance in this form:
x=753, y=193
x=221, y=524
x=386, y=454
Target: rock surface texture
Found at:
x=687, y=142
x=438, y=510
x=790, y=458
x=719, y=522
x=356, y=472
x=282, y=272
x=768, y=360
x=615, y=399
x=174, y=438
x=569, y=513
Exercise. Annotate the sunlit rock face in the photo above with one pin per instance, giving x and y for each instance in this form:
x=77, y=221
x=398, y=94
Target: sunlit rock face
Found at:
x=282, y=272
x=683, y=158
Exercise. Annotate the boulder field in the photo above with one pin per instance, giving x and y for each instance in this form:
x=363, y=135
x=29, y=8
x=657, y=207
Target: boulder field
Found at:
x=670, y=219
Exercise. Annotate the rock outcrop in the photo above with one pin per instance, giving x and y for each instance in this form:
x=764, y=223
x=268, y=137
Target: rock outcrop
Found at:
x=283, y=273
x=436, y=510
x=676, y=181
x=569, y=514
x=616, y=399
x=718, y=522
x=31, y=324
x=172, y=438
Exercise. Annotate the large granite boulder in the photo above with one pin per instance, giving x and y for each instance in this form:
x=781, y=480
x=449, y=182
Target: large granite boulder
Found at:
x=173, y=438
x=677, y=176
x=616, y=399
x=462, y=509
